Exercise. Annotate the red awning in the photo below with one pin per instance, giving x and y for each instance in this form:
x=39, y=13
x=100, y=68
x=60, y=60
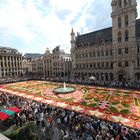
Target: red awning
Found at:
x=3, y=116
x=14, y=109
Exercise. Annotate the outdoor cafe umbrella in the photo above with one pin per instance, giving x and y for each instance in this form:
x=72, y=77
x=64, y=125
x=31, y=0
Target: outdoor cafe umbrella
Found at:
x=92, y=78
x=5, y=114
x=14, y=109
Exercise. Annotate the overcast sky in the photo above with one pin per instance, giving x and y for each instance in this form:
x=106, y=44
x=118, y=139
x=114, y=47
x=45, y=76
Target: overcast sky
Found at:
x=33, y=25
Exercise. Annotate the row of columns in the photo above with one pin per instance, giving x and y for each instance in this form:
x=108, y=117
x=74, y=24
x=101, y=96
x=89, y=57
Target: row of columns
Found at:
x=10, y=66
x=11, y=62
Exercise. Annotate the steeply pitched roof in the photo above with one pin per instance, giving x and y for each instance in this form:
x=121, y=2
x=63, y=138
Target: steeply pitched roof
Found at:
x=97, y=37
x=101, y=36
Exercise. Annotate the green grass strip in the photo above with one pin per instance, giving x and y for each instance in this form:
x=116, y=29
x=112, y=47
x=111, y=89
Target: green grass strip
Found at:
x=136, y=101
x=108, y=96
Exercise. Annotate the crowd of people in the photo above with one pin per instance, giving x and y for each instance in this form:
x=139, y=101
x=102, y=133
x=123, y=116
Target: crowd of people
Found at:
x=62, y=124
x=114, y=84
x=13, y=79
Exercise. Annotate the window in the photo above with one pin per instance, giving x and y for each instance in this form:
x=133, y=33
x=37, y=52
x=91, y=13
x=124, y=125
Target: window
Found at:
x=1, y=64
x=119, y=51
x=90, y=65
x=119, y=37
x=102, y=64
x=126, y=20
x=94, y=54
x=87, y=66
x=107, y=64
x=125, y=3
x=98, y=65
x=119, y=22
x=98, y=53
x=107, y=53
x=102, y=53
x=138, y=48
x=83, y=66
x=83, y=55
x=126, y=35
x=120, y=3
x=126, y=64
x=111, y=64
x=110, y=52
x=119, y=64
x=126, y=50
x=90, y=54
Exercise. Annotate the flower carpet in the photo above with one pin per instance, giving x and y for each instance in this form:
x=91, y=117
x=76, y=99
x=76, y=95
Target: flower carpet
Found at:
x=116, y=105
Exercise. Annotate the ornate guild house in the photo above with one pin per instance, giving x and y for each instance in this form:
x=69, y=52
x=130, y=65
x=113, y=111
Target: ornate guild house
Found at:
x=110, y=54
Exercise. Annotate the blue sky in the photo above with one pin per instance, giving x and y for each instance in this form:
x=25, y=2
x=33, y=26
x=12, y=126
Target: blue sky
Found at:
x=31, y=26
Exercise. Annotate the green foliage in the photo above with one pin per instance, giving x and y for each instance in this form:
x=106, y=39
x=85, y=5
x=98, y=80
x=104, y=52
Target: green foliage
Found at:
x=126, y=95
x=67, y=99
x=115, y=103
x=125, y=111
x=126, y=105
x=84, y=103
x=38, y=93
x=92, y=105
x=88, y=98
x=96, y=100
x=118, y=94
x=113, y=109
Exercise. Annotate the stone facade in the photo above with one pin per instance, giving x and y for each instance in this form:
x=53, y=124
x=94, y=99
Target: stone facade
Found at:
x=111, y=54
x=57, y=63
x=49, y=65
x=10, y=62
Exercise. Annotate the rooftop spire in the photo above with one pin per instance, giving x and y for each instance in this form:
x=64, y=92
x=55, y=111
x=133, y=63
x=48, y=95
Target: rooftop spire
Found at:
x=72, y=32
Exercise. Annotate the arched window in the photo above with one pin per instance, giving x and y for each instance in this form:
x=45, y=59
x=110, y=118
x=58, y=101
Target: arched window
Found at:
x=106, y=76
x=125, y=3
x=126, y=20
x=119, y=22
x=111, y=76
x=119, y=37
x=126, y=35
x=120, y=3
x=97, y=76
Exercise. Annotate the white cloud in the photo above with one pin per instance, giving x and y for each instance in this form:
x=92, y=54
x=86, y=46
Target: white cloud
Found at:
x=47, y=23
x=14, y=19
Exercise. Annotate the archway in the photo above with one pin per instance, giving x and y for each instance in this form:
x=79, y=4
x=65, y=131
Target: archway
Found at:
x=121, y=75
